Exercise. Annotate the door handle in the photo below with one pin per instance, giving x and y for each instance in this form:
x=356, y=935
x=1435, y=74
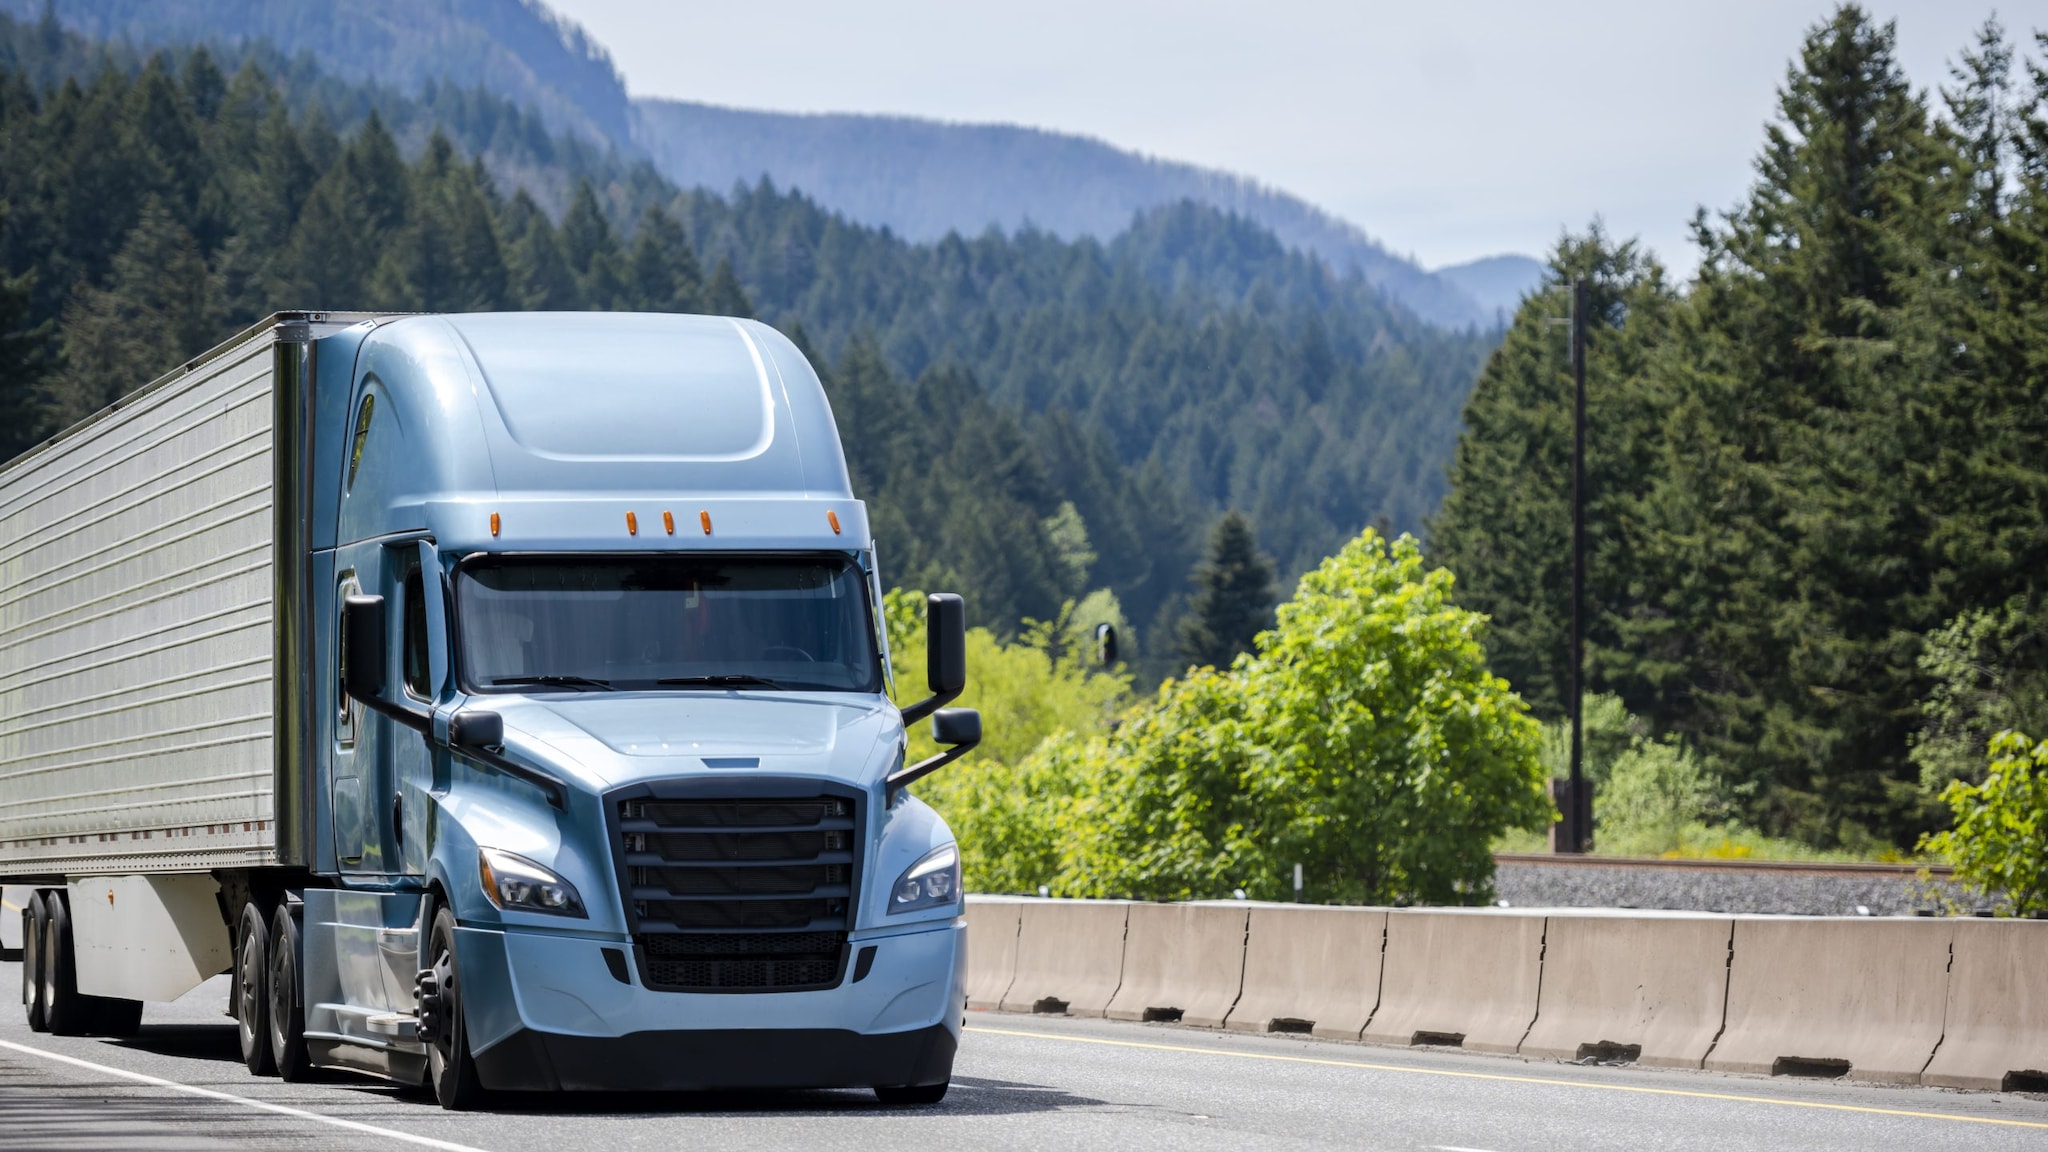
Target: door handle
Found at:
x=398, y=818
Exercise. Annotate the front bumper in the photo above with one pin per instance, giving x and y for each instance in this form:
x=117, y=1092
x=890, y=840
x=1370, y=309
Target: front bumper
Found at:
x=545, y=1011
x=726, y=1058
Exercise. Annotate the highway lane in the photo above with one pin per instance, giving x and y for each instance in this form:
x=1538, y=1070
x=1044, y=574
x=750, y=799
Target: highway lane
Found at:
x=1022, y=1082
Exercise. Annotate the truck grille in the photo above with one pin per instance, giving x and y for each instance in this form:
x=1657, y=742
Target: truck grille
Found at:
x=740, y=895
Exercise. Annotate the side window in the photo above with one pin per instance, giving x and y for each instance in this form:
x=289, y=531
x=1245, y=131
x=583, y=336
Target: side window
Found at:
x=362, y=436
x=416, y=635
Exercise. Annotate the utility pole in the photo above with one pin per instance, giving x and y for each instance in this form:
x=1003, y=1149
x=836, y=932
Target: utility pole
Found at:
x=1576, y=806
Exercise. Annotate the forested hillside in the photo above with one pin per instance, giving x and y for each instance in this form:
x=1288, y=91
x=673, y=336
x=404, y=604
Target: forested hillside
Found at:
x=1819, y=503
x=1031, y=419
x=920, y=178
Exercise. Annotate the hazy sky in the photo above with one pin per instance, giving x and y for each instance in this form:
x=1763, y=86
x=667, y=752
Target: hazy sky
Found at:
x=1448, y=130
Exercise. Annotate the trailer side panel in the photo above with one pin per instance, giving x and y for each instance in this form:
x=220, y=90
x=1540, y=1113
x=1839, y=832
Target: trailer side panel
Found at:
x=136, y=632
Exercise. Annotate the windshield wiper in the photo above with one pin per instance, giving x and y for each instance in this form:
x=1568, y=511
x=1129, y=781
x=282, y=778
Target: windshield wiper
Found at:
x=556, y=682
x=728, y=680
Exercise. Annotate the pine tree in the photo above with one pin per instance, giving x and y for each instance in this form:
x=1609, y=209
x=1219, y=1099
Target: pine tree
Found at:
x=724, y=296
x=24, y=360
x=160, y=308
x=661, y=270
x=592, y=250
x=538, y=276
x=1233, y=596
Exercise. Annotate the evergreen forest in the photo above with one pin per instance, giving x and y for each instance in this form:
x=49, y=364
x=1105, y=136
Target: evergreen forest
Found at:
x=1817, y=498
x=1030, y=419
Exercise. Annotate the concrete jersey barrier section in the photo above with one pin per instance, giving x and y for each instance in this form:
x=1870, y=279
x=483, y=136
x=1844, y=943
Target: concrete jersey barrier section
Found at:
x=1310, y=970
x=1070, y=956
x=1646, y=989
x=1960, y=1003
x=1459, y=977
x=1182, y=962
x=992, y=929
x=1996, y=1024
x=1845, y=997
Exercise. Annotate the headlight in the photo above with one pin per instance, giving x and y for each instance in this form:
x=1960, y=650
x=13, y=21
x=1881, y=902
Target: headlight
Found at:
x=932, y=882
x=517, y=884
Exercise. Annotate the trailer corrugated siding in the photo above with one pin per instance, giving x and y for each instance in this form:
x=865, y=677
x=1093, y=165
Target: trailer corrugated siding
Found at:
x=136, y=632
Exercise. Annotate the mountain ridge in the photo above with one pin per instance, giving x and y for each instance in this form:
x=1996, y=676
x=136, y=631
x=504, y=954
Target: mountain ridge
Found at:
x=980, y=175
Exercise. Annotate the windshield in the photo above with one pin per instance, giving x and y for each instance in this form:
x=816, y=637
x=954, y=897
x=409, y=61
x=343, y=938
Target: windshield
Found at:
x=665, y=623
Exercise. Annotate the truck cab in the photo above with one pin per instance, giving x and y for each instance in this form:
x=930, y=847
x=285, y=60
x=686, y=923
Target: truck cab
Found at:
x=610, y=790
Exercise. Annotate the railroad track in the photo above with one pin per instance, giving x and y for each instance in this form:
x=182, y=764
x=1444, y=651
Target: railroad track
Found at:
x=1802, y=867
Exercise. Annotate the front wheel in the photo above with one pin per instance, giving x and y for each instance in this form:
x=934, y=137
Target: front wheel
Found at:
x=450, y=1064
x=912, y=1093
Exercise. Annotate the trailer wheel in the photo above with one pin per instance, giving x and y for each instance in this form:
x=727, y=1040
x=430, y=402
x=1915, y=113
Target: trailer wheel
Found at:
x=65, y=1012
x=450, y=1066
x=287, y=1007
x=912, y=1093
x=252, y=992
x=34, y=922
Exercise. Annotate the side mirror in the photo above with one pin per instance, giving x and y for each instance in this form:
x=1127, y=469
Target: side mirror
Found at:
x=945, y=654
x=946, y=650
x=363, y=661
x=956, y=726
x=1105, y=644
x=472, y=728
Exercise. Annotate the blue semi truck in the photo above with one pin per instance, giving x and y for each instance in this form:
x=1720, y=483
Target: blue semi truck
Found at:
x=501, y=700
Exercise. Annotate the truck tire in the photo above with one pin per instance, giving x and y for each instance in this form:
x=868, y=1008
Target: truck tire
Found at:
x=286, y=1012
x=34, y=922
x=65, y=1012
x=911, y=1093
x=252, y=991
x=450, y=1066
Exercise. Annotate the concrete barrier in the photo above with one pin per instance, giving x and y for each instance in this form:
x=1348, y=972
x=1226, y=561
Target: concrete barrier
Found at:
x=1466, y=978
x=1647, y=989
x=1995, y=1033
x=1182, y=962
x=992, y=926
x=1070, y=956
x=1831, y=998
x=1309, y=969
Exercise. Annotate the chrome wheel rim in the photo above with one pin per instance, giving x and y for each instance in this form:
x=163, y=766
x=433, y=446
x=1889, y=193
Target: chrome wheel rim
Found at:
x=280, y=998
x=251, y=976
x=49, y=969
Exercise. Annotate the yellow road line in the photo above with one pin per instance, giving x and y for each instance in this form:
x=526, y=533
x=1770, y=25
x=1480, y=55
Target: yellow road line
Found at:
x=1639, y=1088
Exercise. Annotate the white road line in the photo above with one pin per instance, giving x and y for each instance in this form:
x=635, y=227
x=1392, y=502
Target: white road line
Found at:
x=281, y=1109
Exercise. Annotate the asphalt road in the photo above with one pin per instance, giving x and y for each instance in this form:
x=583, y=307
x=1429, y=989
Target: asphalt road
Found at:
x=1021, y=1082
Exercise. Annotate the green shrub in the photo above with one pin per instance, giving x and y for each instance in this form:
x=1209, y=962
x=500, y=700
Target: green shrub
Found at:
x=1999, y=843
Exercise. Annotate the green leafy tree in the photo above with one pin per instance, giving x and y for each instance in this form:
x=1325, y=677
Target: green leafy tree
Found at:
x=1989, y=669
x=1036, y=689
x=1365, y=740
x=1999, y=844
x=1233, y=596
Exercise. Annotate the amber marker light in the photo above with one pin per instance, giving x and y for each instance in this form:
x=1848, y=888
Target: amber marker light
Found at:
x=704, y=518
x=832, y=518
x=668, y=521
x=494, y=525
x=632, y=524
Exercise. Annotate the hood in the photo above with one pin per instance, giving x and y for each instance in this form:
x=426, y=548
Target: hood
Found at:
x=614, y=739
